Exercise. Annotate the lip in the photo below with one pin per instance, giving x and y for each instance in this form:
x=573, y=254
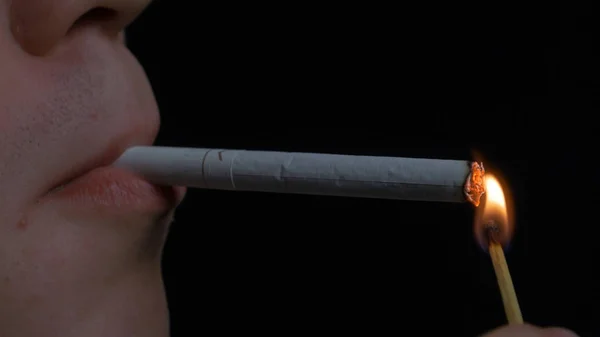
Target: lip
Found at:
x=114, y=188
x=118, y=189
x=104, y=159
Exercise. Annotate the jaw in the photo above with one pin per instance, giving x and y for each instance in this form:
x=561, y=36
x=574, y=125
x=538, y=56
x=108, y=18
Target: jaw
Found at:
x=134, y=305
x=71, y=274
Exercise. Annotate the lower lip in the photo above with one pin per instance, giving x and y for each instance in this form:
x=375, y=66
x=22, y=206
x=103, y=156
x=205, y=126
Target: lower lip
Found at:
x=117, y=189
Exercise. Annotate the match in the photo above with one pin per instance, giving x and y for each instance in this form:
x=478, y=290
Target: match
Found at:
x=437, y=180
x=507, y=289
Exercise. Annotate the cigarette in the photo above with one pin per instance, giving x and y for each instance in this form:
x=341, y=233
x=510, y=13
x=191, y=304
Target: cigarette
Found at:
x=438, y=180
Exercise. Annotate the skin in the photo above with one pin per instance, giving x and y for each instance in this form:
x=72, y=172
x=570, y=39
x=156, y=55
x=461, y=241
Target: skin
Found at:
x=67, y=93
x=69, y=90
x=526, y=330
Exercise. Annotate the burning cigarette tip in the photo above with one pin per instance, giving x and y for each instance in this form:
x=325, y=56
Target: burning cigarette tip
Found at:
x=474, y=186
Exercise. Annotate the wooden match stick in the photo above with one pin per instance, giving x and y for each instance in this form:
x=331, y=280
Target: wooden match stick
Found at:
x=507, y=289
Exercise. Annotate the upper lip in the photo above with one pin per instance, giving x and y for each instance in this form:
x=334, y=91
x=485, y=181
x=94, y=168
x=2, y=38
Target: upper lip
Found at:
x=103, y=159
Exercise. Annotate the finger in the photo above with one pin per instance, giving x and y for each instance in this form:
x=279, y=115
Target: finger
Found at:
x=526, y=330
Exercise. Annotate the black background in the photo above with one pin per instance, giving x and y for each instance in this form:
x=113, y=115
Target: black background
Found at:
x=516, y=84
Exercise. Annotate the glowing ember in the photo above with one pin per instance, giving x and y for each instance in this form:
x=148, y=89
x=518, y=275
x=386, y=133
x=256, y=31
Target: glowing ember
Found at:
x=474, y=187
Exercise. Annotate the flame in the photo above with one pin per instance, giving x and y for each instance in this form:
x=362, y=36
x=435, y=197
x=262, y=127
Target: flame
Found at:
x=495, y=208
x=495, y=203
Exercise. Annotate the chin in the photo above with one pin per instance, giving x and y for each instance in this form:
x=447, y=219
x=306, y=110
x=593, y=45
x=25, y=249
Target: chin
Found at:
x=82, y=237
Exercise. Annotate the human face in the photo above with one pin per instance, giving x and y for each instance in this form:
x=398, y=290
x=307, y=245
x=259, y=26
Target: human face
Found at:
x=83, y=260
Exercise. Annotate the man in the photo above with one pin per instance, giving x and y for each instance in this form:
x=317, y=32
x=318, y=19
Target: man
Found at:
x=80, y=243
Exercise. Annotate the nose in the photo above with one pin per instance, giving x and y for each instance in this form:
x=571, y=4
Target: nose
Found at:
x=39, y=25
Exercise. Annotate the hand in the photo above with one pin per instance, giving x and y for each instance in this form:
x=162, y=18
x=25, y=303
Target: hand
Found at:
x=526, y=330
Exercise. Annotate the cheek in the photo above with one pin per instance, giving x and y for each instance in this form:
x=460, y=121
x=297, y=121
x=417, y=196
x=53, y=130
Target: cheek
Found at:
x=10, y=82
x=3, y=120
x=14, y=136
x=37, y=111
x=24, y=91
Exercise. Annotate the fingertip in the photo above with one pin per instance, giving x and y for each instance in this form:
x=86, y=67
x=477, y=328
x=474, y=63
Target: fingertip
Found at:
x=521, y=330
x=528, y=330
x=559, y=332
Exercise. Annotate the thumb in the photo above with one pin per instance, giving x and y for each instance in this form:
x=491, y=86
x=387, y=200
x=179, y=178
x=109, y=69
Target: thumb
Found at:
x=526, y=330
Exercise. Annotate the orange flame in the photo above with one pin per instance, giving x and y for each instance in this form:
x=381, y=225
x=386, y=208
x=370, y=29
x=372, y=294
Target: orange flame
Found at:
x=495, y=209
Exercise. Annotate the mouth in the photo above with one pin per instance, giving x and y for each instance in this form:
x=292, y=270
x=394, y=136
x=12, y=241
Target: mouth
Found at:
x=103, y=160
x=99, y=184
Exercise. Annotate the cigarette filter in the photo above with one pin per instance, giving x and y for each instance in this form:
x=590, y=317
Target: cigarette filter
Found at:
x=308, y=173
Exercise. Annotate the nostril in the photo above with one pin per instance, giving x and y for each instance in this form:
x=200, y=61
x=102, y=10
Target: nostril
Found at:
x=38, y=29
x=96, y=15
x=99, y=14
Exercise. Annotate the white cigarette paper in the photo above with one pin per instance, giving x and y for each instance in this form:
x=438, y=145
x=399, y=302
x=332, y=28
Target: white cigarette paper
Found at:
x=304, y=173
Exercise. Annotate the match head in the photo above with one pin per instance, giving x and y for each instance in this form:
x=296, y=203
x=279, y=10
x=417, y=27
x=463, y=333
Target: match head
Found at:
x=492, y=232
